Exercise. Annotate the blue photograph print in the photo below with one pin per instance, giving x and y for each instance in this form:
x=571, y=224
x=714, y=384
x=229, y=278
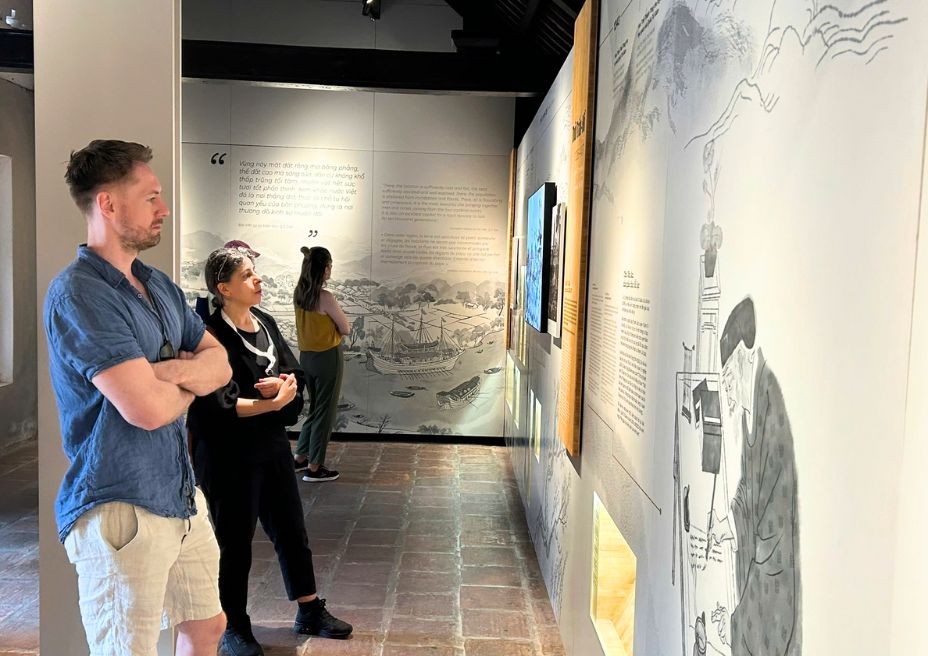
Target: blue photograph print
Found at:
x=538, y=244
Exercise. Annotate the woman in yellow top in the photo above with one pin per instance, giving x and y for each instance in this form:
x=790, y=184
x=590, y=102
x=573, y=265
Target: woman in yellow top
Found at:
x=320, y=324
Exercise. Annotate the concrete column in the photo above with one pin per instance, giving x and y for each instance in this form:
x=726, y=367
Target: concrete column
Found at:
x=103, y=69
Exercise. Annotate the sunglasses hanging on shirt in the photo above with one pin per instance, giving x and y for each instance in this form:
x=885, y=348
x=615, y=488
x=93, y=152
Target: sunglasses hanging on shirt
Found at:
x=166, y=352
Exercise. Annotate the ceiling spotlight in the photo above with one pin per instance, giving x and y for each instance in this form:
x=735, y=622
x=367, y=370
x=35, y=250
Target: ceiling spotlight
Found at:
x=371, y=8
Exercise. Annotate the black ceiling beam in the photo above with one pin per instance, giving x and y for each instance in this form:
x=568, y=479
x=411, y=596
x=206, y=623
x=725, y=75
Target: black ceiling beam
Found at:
x=16, y=51
x=364, y=69
x=460, y=6
x=509, y=74
x=479, y=28
x=531, y=10
x=566, y=8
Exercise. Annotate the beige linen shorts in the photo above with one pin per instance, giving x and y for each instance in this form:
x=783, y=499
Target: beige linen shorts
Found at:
x=139, y=572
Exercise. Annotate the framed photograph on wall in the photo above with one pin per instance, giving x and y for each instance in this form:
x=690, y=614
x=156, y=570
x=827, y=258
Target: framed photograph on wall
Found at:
x=536, y=429
x=510, y=383
x=556, y=269
x=515, y=332
x=514, y=273
x=530, y=428
x=537, y=247
x=523, y=343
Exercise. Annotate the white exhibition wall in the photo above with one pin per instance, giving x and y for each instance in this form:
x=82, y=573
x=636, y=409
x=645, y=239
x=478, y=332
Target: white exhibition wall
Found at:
x=544, y=475
x=18, y=376
x=409, y=193
x=766, y=155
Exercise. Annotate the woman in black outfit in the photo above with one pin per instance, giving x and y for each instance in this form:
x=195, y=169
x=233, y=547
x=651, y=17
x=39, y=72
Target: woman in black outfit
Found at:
x=242, y=456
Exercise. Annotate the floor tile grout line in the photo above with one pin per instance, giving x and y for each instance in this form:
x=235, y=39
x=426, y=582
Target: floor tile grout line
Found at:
x=21, y=461
x=389, y=609
x=459, y=552
x=528, y=595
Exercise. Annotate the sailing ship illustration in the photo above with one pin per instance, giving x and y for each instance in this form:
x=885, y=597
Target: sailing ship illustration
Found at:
x=423, y=357
x=460, y=395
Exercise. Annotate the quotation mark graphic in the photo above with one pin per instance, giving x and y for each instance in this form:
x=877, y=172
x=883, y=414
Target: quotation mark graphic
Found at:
x=313, y=233
x=218, y=159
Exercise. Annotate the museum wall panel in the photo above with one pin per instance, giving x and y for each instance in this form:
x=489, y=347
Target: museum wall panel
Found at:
x=408, y=192
x=546, y=478
x=911, y=575
x=756, y=196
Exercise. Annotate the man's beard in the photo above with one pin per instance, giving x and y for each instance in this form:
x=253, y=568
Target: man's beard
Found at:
x=136, y=239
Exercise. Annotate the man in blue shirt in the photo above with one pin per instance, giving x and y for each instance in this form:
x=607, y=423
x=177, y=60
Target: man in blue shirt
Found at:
x=126, y=358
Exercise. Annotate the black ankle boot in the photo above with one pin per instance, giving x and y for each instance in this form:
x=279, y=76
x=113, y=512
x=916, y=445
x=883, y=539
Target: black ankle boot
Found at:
x=239, y=642
x=313, y=619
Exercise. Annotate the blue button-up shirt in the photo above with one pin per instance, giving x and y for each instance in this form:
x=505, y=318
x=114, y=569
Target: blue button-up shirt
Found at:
x=94, y=320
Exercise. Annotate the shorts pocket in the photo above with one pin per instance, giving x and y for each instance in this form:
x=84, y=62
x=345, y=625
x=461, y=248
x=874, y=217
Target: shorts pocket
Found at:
x=119, y=525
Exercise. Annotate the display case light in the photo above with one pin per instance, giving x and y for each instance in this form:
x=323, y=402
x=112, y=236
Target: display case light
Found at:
x=371, y=8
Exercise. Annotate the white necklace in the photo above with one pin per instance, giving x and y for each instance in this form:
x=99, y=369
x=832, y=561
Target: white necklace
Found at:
x=269, y=354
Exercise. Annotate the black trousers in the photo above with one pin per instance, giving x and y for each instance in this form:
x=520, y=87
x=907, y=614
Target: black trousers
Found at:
x=240, y=493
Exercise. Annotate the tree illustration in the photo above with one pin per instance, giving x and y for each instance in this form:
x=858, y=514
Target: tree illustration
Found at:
x=499, y=300
x=384, y=420
x=433, y=429
x=357, y=331
x=425, y=296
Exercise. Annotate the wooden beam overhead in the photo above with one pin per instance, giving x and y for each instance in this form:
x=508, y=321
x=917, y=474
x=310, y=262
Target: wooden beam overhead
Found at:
x=16, y=51
x=390, y=70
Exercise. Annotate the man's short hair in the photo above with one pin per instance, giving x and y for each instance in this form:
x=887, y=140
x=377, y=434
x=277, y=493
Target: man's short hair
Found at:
x=101, y=162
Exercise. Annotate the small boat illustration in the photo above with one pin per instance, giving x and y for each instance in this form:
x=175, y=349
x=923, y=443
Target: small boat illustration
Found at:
x=493, y=370
x=460, y=395
x=403, y=394
x=415, y=387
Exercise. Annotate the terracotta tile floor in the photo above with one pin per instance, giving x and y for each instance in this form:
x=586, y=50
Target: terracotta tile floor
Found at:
x=19, y=550
x=424, y=548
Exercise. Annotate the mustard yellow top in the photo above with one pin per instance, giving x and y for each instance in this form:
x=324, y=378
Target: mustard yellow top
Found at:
x=315, y=331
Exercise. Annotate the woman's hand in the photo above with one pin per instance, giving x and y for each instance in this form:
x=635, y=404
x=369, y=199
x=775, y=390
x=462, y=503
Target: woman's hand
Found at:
x=268, y=387
x=287, y=391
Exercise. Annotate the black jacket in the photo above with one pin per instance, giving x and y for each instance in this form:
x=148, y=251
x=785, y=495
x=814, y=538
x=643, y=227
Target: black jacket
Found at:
x=218, y=432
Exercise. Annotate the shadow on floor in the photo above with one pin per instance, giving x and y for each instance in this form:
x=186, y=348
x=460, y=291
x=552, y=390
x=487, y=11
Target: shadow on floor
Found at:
x=424, y=548
x=19, y=550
